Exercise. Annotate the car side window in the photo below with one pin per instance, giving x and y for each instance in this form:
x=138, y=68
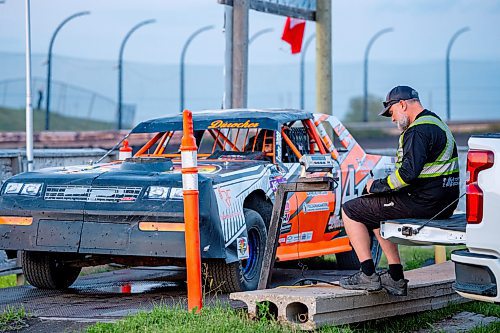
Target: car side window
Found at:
x=300, y=138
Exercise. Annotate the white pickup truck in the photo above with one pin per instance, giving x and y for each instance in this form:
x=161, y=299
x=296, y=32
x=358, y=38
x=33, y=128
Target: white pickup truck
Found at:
x=477, y=268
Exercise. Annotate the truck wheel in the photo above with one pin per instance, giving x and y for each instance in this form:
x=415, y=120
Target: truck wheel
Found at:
x=349, y=260
x=45, y=271
x=242, y=275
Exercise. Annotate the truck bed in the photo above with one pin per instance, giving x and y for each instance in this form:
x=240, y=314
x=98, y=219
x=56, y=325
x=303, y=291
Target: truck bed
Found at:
x=424, y=232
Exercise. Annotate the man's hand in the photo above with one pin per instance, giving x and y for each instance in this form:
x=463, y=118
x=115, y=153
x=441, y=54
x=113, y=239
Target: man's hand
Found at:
x=369, y=185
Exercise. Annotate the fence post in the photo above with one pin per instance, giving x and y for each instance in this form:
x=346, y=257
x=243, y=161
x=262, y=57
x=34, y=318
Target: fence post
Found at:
x=191, y=212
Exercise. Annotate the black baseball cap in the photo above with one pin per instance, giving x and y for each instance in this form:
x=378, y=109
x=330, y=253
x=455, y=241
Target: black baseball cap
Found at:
x=399, y=93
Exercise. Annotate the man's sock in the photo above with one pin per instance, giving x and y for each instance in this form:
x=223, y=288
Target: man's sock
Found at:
x=368, y=267
x=396, y=272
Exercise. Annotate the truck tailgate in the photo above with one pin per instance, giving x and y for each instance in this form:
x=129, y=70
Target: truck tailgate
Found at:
x=424, y=232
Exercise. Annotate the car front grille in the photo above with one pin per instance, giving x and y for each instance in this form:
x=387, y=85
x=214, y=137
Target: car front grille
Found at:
x=92, y=193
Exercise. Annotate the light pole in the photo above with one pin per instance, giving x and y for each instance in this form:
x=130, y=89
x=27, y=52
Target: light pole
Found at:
x=365, y=72
x=120, y=68
x=450, y=44
x=259, y=33
x=29, y=108
x=49, y=64
x=302, y=70
x=183, y=56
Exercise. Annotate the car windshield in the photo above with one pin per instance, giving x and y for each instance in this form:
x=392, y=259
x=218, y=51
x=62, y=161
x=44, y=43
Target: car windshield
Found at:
x=252, y=143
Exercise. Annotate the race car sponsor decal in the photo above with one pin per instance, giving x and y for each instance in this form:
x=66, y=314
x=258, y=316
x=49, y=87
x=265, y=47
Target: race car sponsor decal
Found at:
x=292, y=238
x=230, y=216
x=242, y=248
x=334, y=223
x=225, y=196
x=316, y=207
x=313, y=194
x=275, y=180
x=286, y=228
x=221, y=124
x=206, y=169
x=305, y=236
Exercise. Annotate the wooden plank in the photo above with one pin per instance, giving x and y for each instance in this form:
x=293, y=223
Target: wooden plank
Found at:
x=302, y=185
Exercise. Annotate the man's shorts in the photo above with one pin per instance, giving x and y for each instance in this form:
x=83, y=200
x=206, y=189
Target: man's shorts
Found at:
x=372, y=209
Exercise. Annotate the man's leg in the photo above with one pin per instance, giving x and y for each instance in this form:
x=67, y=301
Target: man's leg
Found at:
x=359, y=237
x=393, y=280
x=366, y=278
x=389, y=248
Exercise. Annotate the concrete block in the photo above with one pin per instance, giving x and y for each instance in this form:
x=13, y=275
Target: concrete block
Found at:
x=310, y=307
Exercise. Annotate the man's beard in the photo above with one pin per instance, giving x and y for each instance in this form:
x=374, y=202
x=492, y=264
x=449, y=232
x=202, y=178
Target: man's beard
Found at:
x=403, y=123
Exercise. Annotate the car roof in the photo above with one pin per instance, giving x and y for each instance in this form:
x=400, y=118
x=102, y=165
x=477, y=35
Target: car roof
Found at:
x=226, y=118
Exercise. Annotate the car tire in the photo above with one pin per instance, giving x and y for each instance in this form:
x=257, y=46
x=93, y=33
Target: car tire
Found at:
x=349, y=260
x=244, y=274
x=45, y=271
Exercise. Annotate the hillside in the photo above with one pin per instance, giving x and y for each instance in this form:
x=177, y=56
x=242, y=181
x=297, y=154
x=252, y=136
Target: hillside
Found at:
x=12, y=120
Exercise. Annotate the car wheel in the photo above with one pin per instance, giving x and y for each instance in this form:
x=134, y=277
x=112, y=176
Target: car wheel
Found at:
x=242, y=275
x=349, y=260
x=45, y=271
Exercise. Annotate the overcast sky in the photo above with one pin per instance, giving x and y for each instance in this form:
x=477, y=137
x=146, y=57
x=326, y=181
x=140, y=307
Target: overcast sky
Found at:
x=422, y=29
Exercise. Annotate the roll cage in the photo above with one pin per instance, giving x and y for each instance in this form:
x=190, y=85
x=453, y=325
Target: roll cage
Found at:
x=288, y=145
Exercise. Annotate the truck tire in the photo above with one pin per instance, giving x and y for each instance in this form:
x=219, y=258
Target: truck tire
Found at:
x=349, y=260
x=43, y=270
x=242, y=275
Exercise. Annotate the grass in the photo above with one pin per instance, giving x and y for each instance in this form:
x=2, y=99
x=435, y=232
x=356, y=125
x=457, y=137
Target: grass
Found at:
x=15, y=120
x=7, y=281
x=13, y=319
x=413, y=257
x=219, y=319
x=225, y=319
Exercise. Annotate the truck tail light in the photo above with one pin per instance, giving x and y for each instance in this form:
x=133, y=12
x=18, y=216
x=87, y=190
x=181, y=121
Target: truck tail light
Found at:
x=477, y=160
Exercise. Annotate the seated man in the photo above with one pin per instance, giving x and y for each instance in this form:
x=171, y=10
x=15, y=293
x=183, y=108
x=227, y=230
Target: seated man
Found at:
x=423, y=185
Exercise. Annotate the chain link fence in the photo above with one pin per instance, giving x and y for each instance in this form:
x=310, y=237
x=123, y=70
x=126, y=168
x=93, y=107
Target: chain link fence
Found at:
x=66, y=100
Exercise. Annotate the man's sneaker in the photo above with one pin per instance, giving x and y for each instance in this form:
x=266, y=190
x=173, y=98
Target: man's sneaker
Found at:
x=396, y=288
x=361, y=281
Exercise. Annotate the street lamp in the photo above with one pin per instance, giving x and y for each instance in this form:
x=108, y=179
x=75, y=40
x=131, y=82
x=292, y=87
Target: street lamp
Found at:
x=450, y=44
x=302, y=70
x=183, y=56
x=365, y=80
x=120, y=68
x=49, y=64
x=29, y=108
x=259, y=33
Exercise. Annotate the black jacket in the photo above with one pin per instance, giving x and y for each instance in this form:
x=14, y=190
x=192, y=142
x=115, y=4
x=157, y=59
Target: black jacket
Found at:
x=423, y=144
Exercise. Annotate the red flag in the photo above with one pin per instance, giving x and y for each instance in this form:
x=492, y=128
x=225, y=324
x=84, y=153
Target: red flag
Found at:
x=293, y=33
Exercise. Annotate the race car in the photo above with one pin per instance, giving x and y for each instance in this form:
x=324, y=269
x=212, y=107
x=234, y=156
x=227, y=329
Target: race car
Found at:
x=131, y=211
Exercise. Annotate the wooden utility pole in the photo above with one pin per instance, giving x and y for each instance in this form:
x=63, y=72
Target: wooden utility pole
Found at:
x=236, y=57
x=240, y=53
x=324, y=56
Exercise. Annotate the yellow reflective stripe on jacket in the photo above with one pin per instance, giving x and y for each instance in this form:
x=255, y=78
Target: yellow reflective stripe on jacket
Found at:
x=437, y=169
x=395, y=181
x=447, y=152
x=443, y=165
